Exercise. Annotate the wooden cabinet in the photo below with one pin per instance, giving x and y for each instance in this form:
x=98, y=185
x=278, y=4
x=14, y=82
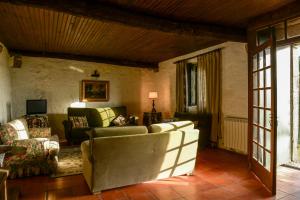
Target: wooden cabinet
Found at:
x=152, y=118
x=202, y=122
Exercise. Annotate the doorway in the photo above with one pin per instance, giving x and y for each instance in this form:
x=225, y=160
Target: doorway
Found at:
x=288, y=94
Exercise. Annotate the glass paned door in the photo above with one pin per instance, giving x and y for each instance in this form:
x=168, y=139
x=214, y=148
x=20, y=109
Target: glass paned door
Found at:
x=261, y=123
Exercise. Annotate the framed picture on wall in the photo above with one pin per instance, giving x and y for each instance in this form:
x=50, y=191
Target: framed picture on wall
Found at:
x=93, y=91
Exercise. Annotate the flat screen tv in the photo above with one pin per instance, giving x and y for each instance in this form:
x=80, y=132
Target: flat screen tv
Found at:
x=36, y=106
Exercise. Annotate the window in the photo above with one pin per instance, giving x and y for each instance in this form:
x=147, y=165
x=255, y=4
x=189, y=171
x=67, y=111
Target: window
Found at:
x=192, y=84
x=263, y=35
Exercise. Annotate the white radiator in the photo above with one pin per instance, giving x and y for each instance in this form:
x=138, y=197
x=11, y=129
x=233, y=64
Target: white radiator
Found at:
x=235, y=134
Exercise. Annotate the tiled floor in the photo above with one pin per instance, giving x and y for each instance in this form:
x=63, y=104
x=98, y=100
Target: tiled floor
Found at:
x=218, y=175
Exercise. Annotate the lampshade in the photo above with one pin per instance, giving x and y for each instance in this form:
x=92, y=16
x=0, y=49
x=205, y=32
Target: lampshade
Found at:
x=153, y=95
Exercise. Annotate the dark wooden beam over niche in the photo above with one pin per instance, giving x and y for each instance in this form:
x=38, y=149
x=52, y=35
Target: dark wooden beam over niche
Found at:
x=286, y=12
x=95, y=59
x=112, y=14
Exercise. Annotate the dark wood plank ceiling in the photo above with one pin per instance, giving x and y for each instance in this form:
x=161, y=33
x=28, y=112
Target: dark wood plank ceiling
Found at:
x=223, y=12
x=35, y=28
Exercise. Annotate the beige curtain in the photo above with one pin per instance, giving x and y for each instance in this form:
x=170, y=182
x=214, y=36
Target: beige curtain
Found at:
x=181, y=86
x=209, y=89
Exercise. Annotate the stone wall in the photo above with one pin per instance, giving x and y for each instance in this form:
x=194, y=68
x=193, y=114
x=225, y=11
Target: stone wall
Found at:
x=5, y=87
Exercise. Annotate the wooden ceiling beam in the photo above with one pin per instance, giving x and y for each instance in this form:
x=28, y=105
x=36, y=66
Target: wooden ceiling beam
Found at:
x=96, y=59
x=285, y=12
x=112, y=14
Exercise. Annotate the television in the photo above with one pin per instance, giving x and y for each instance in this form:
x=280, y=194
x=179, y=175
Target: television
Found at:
x=36, y=106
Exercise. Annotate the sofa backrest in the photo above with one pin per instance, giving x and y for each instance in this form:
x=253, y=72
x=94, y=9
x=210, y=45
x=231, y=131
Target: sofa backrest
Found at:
x=21, y=127
x=125, y=160
x=14, y=130
x=171, y=126
x=119, y=131
x=98, y=117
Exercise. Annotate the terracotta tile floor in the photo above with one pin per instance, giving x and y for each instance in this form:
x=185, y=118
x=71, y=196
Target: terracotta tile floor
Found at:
x=218, y=175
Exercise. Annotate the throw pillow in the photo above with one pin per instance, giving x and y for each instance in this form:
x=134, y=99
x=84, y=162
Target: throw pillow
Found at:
x=79, y=121
x=119, y=121
x=34, y=121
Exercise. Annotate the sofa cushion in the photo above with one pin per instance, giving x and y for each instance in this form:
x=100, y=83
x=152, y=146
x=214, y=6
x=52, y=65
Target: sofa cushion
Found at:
x=34, y=121
x=79, y=121
x=171, y=126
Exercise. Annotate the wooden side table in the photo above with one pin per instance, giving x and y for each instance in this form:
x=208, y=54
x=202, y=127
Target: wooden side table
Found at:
x=3, y=187
x=152, y=118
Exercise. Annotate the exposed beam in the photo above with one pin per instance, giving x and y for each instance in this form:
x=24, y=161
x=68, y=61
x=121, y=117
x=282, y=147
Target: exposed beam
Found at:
x=112, y=14
x=285, y=12
x=96, y=59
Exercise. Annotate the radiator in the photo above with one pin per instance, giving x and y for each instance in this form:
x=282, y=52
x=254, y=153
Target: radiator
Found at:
x=235, y=134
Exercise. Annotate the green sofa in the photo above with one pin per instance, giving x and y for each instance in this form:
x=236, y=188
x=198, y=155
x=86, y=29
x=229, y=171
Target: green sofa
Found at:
x=122, y=159
x=96, y=117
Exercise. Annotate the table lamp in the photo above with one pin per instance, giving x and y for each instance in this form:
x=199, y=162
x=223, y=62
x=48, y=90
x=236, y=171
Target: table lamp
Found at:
x=153, y=95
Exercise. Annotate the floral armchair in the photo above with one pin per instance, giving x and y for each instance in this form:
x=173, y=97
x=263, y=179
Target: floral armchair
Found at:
x=34, y=149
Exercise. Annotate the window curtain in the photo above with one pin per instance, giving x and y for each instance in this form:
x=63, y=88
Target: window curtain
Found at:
x=209, y=89
x=181, y=102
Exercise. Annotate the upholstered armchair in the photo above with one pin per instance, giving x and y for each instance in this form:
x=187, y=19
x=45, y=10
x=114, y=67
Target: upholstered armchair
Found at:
x=34, y=150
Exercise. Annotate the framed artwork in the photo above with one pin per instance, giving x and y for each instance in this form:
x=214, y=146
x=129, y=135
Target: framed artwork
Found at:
x=92, y=91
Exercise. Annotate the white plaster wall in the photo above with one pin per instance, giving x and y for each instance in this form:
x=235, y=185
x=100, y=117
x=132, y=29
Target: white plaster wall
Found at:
x=59, y=82
x=234, y=80
x=164, y=82
x=5, y=87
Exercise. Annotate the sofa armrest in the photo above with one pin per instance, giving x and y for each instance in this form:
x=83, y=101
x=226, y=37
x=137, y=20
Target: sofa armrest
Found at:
x=68, y=128
x=86, y=150
x=39, y=132
x=34, y=147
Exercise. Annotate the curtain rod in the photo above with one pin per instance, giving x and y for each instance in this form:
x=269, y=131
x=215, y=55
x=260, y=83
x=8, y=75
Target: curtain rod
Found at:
x=197, y=55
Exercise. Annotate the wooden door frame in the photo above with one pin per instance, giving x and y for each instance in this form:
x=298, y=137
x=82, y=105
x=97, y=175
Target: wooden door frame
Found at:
x=252, y=49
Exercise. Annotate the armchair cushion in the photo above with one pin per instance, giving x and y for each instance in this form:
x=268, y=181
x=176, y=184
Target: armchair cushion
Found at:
x=39, y=132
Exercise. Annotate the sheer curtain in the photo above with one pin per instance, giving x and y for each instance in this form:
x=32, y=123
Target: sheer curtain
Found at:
x=209, y=89
x=181, y=101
